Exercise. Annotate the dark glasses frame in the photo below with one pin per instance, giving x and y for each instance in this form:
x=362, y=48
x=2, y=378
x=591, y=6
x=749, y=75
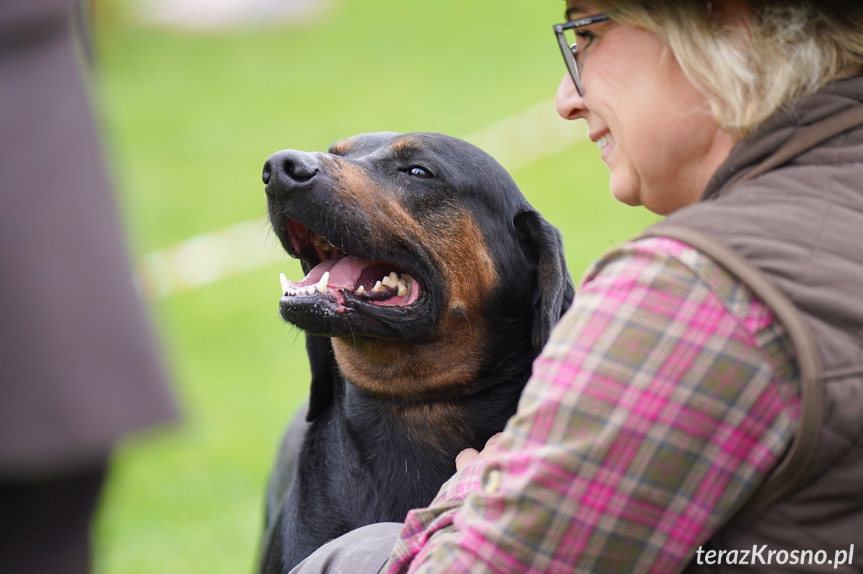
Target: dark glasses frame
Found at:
x=569, y=50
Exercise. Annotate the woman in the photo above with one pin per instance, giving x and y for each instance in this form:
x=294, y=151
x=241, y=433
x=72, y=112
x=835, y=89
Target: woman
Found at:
x=701, y=405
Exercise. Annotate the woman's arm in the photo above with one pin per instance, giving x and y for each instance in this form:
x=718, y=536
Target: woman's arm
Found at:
x=664, y=398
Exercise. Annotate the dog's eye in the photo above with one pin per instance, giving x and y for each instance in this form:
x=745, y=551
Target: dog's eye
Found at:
x=418, y=171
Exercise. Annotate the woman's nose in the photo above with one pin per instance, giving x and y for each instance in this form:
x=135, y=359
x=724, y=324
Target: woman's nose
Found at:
x=568, y=103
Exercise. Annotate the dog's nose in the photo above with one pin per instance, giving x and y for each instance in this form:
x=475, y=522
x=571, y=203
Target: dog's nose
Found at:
x=288, y=169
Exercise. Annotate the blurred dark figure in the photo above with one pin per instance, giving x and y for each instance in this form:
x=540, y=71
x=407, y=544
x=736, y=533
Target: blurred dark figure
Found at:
x=78, y=363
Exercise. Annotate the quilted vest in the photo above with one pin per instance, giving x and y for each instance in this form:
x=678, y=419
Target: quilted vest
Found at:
x=784, y=214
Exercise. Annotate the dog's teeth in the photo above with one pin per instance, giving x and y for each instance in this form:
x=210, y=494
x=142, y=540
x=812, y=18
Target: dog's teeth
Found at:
x=361, y=290
x=322, y=284
x=286, y=285
x=403, y=289
x=310, y=290
x=391, y=280
x=378, y=287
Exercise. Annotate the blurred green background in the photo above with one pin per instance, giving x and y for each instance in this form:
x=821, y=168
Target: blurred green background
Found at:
x=190, y=114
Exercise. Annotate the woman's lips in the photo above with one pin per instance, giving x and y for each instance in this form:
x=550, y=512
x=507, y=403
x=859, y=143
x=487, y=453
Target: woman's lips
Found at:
x=604, y=142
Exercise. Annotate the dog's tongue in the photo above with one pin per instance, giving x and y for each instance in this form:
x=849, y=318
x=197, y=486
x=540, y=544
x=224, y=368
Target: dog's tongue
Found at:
x=344, y=273
x=348, y=273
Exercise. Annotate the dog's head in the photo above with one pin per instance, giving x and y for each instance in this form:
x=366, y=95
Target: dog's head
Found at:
x=420, y=252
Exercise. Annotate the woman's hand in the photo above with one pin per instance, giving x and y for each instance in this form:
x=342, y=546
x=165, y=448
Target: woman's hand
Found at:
x=470, y=455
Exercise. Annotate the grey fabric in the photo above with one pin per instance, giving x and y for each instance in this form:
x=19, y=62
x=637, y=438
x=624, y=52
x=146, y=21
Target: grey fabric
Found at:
x=361, y=551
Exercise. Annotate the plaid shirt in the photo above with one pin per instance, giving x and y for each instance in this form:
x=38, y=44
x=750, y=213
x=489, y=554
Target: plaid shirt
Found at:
x=664, y=398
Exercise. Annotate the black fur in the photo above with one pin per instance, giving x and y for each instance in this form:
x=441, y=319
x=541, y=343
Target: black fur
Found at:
x=368, y=455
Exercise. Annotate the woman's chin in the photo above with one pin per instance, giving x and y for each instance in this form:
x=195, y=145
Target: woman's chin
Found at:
x=624, y=193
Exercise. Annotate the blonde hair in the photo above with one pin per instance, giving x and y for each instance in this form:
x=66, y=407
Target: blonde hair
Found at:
x=749, y=70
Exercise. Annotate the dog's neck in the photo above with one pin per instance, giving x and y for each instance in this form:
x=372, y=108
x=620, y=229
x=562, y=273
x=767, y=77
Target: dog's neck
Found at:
x=435, y=367
x=446, y=422
x=442, y=425
x=445, y=390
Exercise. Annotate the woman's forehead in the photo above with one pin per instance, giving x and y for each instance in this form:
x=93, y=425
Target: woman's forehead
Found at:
x=578, y=8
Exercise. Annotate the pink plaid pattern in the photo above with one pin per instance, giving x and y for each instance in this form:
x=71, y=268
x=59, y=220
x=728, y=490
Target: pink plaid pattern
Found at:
x=665, y=397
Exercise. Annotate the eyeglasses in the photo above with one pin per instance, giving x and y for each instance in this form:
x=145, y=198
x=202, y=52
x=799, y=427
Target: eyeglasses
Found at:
x=567, y=34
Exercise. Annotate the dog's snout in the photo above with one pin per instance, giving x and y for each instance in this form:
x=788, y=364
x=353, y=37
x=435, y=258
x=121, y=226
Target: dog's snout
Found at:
x=287, y=169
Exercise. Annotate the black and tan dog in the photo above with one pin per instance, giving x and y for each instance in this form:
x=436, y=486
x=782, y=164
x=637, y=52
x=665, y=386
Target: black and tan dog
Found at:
x=431, y=286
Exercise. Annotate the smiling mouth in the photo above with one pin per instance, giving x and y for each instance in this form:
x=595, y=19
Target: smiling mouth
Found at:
x=604, y=141
x=343, y=279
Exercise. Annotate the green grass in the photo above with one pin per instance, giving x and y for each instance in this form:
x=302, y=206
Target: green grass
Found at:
x=190, y=119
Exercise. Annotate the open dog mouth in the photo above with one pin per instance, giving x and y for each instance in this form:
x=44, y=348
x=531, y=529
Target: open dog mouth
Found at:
x=341, y=278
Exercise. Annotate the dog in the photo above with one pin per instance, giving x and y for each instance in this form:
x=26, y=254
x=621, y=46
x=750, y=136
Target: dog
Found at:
x=431, y=286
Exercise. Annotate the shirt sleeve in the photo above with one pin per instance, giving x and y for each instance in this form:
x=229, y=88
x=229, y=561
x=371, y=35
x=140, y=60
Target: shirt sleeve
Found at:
x=665, y=396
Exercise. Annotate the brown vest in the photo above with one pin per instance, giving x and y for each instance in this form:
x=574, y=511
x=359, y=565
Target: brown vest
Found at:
x=784, y=214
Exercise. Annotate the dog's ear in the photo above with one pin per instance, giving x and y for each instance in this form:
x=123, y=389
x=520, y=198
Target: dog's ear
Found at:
x=542, y=245
x=323, y=365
